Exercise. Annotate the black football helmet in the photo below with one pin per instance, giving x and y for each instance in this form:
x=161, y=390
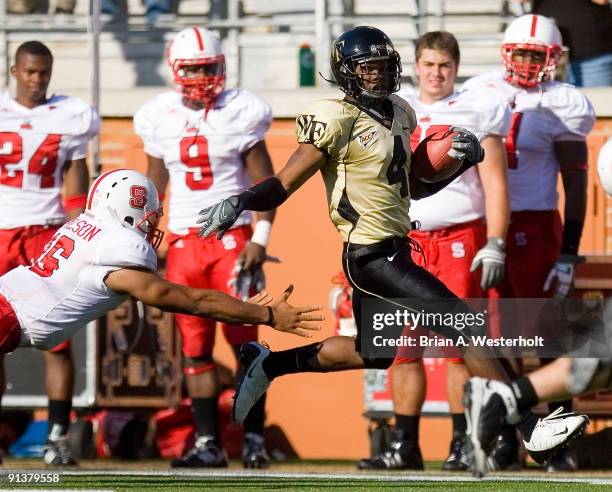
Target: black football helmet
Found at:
x=372, y=51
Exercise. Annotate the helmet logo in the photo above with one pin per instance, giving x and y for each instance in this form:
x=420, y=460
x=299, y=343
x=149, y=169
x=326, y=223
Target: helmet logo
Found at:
x=138, y=197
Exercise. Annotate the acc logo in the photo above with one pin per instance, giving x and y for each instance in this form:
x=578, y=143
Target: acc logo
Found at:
x=138, y=197
x=366, y=139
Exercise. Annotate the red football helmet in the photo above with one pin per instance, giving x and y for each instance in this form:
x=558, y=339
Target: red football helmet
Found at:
x=540, y=38
x=198, y=64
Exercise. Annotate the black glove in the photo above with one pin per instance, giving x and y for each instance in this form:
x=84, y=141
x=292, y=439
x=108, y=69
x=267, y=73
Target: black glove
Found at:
x=466, y=146
x=220, y=217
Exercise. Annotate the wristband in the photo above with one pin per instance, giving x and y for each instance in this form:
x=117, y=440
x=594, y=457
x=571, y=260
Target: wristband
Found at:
x=162, y=197
x=270, y=321
x=75, y=201
x=265, y=195
x=261, y=233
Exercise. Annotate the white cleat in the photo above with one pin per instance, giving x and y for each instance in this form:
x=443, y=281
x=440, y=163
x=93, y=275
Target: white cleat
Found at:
x=253, y=382
x=554, y=431
x=488, y=406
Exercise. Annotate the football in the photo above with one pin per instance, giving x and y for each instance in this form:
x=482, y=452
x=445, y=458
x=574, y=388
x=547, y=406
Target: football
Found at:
x=430, y=160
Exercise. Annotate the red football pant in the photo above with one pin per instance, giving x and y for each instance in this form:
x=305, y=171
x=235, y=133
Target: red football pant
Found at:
x=533, y=246
x=10, y=333
x=448, y=256
x=206, y=264
x=23, y=244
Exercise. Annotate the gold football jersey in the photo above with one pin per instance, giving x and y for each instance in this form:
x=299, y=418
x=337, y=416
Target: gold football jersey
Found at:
x=366, y=174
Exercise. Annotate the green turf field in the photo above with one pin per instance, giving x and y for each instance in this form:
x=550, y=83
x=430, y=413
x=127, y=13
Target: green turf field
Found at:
x=154, y=475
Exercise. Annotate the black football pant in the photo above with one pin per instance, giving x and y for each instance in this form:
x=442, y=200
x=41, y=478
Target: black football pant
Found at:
x=387, y=270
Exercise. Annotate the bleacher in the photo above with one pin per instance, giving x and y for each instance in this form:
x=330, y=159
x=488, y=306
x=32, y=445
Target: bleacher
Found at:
x=261, y=40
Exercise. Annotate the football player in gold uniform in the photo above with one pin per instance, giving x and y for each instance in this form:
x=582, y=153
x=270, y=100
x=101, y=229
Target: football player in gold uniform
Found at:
x=361, y=147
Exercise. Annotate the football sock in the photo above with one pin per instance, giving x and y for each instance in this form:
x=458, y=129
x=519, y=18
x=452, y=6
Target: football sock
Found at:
x=59, y=418
x=407, y=426
x=527, y=424
x=206, y=416
x=524, y=393
x=300, y=359
x=459, y=423
x=254, y=421
x=566, y=404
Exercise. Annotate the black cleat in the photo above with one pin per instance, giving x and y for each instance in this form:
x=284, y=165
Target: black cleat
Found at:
x=505, y=454
x=562, y=460
x=57, y=452
x=254, y=453
x=400, y=455
x=458, y=457
x=205, y=454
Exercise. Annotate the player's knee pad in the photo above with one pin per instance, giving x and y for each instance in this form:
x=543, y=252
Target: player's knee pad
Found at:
x=193, y=366
x=371, y=363
x=582, y=373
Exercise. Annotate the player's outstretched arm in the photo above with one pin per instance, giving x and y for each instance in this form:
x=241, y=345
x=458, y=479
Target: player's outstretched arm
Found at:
x=151, y=289
x=266, y=195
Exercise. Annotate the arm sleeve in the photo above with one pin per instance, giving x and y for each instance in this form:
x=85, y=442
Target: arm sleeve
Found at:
x=322, y=125
x=495, y=118
x=89, y=126
x=144, y=127
x=575, y=114
x=136, y=253
x=256, y=117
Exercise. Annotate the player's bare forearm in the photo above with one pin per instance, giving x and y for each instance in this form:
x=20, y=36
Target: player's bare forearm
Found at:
x=494, y=181
x=76, y=184
x=151, y=289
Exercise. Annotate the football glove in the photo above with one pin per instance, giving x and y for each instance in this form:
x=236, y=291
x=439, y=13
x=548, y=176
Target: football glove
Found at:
x=220, y=217
x=562, y=274
x=492, y=258
x=245, y=283
x=466, y=146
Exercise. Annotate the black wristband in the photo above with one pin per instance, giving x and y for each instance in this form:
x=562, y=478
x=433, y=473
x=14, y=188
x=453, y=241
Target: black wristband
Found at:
x=270, y=320
x=264, y=196
x=572, y=231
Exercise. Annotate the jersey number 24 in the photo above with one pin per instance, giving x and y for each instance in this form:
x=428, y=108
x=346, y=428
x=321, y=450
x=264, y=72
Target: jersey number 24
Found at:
x=42, y=163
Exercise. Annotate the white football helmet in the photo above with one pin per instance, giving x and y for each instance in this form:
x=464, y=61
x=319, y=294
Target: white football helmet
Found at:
x=198, y=64
x=604, y=166
x=130, y=198
x=533, y=33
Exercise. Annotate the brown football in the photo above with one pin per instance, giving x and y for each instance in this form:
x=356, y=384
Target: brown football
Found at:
x=430, y=160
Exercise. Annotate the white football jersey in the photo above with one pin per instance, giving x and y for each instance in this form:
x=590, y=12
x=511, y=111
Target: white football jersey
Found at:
x=64, y=289
x=203, y=155
x=35, y=144
x=478, y=113
x=552, y=112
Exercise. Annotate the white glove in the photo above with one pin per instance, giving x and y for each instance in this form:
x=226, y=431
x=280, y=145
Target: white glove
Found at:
x=492, y=257
x=562, y=274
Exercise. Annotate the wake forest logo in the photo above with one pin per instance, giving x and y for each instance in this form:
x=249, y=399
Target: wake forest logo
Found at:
x=309, y=128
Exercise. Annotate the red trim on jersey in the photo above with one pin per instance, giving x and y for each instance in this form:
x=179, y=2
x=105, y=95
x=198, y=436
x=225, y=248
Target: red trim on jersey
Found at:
x=95, y=185
x=534, y=23
x=199, y=38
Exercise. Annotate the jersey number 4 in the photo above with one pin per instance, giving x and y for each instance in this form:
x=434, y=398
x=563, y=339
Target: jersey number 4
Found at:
x=49, y=260
x=194, y=154
x=396, y=172
x=42, y=163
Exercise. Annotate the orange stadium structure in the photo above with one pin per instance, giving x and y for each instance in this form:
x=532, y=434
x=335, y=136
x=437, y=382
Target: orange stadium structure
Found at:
x=321, y=414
